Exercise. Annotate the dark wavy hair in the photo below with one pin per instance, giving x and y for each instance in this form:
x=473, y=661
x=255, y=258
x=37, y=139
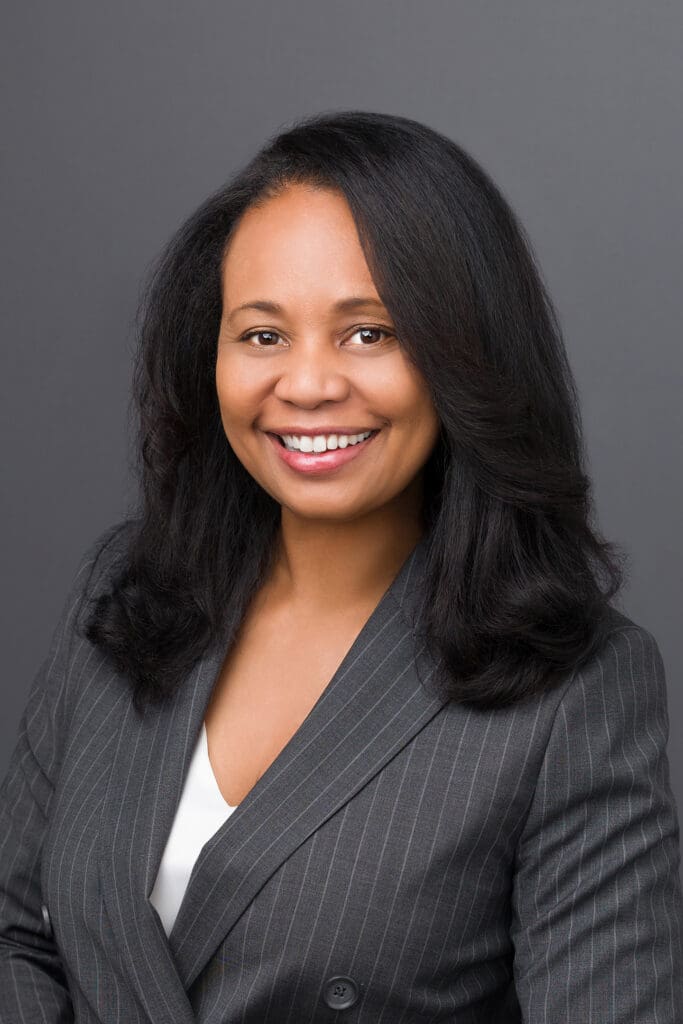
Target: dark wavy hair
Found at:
x=518, y=579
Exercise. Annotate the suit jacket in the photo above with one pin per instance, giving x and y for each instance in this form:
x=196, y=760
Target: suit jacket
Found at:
x=403, y=859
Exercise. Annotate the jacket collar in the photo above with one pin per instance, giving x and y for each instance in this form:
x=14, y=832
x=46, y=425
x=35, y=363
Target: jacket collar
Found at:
x=372, y=706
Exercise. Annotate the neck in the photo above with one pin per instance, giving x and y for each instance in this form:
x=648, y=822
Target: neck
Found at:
x=332, y=566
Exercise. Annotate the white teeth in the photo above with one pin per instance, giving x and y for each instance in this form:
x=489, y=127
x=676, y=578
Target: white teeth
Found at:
x=322, y=442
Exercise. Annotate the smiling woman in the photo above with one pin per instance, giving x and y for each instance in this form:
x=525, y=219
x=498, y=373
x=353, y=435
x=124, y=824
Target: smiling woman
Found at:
x=338, y=388
x=343, y=724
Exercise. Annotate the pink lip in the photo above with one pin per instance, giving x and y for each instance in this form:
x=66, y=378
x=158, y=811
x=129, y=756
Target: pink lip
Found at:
x=320, y=462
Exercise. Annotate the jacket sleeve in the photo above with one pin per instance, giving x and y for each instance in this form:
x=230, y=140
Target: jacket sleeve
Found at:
x=596, y=902
x=33, y=987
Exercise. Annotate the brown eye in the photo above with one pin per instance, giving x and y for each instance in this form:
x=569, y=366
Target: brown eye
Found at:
x=269, y=336
x=371, y=335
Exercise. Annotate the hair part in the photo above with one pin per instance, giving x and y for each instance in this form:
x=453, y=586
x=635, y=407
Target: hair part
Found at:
x=518, y=578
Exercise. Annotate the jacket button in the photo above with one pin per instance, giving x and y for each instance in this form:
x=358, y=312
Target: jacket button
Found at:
x=340, y=993
x=46, y=918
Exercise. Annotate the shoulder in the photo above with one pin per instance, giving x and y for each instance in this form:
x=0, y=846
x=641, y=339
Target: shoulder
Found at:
x=608, y=727
x=607, y=718
x=625, y=673
x=105, y=553
x=95, y=570
x=70, y=662
x=596, y=866
x=100, y=561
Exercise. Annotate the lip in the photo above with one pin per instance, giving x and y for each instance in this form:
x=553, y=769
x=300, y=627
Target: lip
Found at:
x=314, y=431
x=321, y=462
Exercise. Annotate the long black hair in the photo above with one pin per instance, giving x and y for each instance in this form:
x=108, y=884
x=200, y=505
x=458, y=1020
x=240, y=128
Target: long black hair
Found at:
x=518, y=578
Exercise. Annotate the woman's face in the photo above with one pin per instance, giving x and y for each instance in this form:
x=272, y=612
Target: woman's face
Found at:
x=306, y=347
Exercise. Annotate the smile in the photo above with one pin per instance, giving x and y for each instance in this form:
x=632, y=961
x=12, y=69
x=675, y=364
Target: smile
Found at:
x=316, y=463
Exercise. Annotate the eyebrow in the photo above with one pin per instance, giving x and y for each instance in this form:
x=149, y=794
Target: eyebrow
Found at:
x=342, y=306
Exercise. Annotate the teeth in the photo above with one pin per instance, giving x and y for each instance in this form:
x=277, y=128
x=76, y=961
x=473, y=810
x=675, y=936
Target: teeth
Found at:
x=322, y=442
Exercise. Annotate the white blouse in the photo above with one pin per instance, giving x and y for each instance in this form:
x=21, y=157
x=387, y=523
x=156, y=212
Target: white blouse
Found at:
x=200, y=813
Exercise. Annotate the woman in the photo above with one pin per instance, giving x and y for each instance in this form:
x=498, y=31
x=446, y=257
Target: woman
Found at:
x=342, y=724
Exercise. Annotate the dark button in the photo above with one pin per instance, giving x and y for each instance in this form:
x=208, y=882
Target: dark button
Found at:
x=340, y=993
x=46, y=918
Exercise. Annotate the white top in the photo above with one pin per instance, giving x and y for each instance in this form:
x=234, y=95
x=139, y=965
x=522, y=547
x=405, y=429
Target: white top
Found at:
x=200, y=813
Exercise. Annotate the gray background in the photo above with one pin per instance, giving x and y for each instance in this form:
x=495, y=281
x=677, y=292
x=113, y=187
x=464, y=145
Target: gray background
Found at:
x=120, y=118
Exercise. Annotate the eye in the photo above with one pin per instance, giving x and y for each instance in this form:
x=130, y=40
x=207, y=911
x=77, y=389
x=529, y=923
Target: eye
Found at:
x=369, y=336
x=364, y=332
x=267, y=335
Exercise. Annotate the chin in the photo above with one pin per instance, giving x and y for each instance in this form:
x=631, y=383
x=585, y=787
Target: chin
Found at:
x=326, y=513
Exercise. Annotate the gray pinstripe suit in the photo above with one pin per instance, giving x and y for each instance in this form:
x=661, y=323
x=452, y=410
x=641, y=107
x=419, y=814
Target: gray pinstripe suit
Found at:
x=404, y=859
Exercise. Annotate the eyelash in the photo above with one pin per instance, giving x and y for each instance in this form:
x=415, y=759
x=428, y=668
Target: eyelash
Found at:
x=364, y=327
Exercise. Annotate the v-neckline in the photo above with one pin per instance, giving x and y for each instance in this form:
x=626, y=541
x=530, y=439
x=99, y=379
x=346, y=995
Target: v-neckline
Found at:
x=209, y=772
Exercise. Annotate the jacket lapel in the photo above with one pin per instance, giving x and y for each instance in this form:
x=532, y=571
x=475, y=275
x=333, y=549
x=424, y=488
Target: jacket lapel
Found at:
x=151, y=760
x=373, y=705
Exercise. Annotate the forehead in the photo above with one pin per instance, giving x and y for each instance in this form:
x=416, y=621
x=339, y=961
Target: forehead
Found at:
x=304, y=238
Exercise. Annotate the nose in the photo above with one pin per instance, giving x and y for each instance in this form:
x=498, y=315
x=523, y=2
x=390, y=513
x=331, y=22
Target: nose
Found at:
x=311, y=373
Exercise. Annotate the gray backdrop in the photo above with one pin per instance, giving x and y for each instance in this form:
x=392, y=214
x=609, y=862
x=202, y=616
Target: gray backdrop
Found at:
x=120, y=118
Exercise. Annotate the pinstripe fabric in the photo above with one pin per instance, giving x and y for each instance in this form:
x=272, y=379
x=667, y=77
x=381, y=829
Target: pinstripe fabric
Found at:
x=451, y=865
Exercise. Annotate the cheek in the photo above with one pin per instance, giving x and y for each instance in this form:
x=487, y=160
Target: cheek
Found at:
x=235, y=391
x=414, y=407
x=422, y=426
x=394, y=386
